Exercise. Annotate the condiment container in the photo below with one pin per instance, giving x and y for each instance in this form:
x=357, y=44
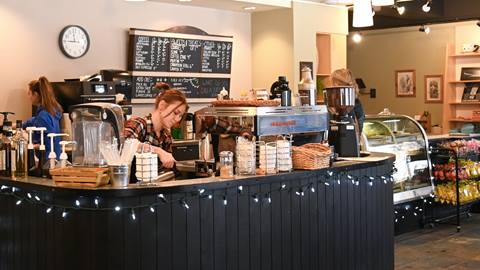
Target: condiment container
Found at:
x=226, y=164
x=245, y=154
x=146, y=166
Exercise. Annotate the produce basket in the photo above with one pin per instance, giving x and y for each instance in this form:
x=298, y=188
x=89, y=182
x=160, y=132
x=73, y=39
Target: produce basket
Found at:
x=245, y=103
x=311, y=156
x=80, y=177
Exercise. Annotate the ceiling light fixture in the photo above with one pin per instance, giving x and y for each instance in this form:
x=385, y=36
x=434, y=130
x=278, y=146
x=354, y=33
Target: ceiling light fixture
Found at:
x=362, y=13
x=357, y=37
x=380, y=3
x=426, y=6
x=184, y=0
x=424, y=29
x=250, y=8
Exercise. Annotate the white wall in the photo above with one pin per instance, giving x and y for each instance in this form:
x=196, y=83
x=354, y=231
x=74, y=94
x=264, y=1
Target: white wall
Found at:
x=310, y=19
x=29, y=34
x=272, y=46
x=382, y=52
x=281, y=39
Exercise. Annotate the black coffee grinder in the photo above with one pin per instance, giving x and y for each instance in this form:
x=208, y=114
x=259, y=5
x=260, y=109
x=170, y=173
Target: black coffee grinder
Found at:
x=342, y=133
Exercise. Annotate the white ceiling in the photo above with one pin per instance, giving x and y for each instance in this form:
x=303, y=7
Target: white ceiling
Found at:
x=238, y=5
x=261, y=5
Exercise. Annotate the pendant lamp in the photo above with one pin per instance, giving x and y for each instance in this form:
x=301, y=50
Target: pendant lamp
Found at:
x=362, y=13
x=383, y=3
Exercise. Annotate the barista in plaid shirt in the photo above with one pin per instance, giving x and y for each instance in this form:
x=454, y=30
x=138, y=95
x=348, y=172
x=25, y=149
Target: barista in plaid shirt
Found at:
x=170, y=106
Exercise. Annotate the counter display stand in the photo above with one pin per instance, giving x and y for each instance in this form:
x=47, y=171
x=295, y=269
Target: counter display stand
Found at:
x=404, y=137
x=456, y=176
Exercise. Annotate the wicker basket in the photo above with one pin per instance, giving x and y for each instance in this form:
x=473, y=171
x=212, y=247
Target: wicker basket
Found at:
x=311, y=156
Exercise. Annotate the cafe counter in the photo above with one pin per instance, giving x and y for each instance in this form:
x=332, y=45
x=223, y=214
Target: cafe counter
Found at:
x=335, y=218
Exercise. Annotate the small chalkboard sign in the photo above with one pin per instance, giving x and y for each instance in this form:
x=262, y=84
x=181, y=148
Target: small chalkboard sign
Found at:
x=178, y=52
x=192, y=87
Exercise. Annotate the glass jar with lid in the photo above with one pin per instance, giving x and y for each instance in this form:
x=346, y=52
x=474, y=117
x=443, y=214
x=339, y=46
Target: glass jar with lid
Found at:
x=226, y=164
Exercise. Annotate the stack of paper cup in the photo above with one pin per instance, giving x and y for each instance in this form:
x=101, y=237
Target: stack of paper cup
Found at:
x=284, y=156
x=268, y=157
x=147, y=166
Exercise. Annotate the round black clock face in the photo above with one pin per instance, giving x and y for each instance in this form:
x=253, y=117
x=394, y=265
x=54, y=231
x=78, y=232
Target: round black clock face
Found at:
x=74, y=41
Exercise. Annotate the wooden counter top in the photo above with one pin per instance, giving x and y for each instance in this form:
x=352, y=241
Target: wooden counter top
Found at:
x=48, y=185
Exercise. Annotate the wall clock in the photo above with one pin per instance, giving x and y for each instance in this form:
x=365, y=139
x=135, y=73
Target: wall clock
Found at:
x=74, y=41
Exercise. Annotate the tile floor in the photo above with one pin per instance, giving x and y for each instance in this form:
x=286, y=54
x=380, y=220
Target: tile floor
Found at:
x=440, y=247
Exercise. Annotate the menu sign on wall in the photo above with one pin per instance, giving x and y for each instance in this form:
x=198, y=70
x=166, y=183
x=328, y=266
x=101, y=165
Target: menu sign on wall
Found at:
x=197, y=64
x=192, y=87
x=167, y=53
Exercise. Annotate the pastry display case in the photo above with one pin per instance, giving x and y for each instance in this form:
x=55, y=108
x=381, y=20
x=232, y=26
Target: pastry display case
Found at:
x=404, y=137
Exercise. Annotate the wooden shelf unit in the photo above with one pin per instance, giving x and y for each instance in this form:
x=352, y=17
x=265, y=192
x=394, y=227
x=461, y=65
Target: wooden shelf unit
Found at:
x=454, y=110
x=465, y=81
x=464, y=55
x=461, y=120
x=465, y=103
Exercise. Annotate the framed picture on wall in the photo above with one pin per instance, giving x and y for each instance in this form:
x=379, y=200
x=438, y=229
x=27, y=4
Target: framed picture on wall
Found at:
x=433, y=88
x=405, y=83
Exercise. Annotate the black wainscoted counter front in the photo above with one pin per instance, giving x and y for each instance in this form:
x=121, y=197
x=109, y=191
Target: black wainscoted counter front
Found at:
x=336, y=218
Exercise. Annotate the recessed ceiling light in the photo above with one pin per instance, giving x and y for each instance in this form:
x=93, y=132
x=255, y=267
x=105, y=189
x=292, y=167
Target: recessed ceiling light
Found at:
x=250, y=8
x=184, y=0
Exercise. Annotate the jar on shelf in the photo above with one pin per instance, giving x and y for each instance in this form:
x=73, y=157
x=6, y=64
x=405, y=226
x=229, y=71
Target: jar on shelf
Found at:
x=226, y=164
x=245, y=156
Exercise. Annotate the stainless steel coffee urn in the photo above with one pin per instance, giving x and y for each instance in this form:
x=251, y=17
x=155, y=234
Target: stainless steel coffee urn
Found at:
x=306, y=88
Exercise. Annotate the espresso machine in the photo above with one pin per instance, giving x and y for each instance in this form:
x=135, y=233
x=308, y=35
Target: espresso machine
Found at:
x=93, y=123
x=306, y=124
x=342, y=133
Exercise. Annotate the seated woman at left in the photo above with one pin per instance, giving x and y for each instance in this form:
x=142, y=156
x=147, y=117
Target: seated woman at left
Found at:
x=48, y=114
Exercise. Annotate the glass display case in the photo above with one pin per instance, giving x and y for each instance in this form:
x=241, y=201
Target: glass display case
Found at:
x=404, y=137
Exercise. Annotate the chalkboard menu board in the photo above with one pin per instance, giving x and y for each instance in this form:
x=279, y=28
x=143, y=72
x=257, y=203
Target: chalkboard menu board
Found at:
x=173, y=52
x=193, y=87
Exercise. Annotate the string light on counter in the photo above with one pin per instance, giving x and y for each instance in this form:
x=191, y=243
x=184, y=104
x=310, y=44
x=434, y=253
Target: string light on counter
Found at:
x=328, y=179
x=184, y=204
x=225, y=202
